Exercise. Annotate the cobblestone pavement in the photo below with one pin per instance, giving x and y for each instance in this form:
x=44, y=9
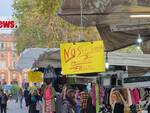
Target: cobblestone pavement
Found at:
x=13, y=107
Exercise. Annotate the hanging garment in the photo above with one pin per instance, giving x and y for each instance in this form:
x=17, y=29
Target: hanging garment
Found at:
x=101, y=94
x=90, y=107
x=106, y=96
x=142, y=93
x=135, y=96
x=94, y=94
x=97, y=98
x=83, y=100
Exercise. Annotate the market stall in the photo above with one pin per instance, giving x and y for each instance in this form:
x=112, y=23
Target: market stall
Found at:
x=52, y=59
x=118, y=22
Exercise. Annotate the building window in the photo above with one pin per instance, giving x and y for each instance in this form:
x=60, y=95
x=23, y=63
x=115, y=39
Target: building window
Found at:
x=14, y=76
x=14, y=54
x=2, y=55
x=13, y=63
x=1, y=45
x=2, y=76
x=14, y=82
x=2, y=65
x=13, y=46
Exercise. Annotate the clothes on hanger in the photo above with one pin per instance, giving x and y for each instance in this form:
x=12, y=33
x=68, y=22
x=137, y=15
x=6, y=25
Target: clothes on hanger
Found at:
x=135, y=96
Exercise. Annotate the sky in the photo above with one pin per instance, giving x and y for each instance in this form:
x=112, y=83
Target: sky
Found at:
x=6, y=7
x=6, y=11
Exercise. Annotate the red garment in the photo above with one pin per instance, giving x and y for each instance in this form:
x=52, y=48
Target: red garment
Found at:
x=47, y=93
x=135, y=96
x=94, y=95
x=48, y=102
x=102, y=94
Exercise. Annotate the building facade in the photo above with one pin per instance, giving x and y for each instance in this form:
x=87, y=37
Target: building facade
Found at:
x=8, y=59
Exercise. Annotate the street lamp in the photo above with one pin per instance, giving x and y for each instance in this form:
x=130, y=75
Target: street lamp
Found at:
x=107, y=63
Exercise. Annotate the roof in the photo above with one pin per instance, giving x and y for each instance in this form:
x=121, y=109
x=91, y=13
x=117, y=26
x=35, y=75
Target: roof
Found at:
x=112, y=19
x=43, y=57
x=29, y=56
x=138, y=63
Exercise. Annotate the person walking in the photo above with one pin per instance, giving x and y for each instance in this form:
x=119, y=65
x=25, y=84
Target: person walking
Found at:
x=4, y=100
x=33, y=100
x=69, y=104
x=0, y=99
x=26, y=96
x=20, y=97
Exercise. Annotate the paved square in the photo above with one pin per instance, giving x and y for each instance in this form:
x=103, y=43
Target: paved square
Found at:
x=14, y=107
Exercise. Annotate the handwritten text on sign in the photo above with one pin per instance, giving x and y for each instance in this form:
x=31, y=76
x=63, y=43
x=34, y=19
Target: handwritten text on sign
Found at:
x=83, y=57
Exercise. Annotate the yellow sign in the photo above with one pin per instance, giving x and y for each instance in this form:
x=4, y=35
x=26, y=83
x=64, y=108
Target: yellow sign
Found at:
x=83, y=57
x=35, y=76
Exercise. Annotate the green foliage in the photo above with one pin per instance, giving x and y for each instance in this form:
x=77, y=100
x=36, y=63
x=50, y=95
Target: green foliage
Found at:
x=40, y=27
x=14, y=90
x=32, y=88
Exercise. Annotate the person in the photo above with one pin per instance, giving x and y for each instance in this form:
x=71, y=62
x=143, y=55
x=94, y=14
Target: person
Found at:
x=20, y=97
x=0, y=99
x=49, y=98
x=64, y=91
x=26, y=95
x=147, y=98
x=84, y=95
x=90, y=107
x=40, y=101
x=69, y=103
x=60, y=97
x=33, y=99
x=77, y=96
x=4, y=100
x=117, y=102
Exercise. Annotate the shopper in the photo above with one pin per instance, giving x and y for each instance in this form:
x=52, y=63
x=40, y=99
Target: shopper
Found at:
x=64, y=91
x=60, y=97
x=49, y=98
x=117, y=102
x=84, y=95
x=90, y=107
x=77, y=95
x=69, y=103
x=20, y=97
x=40, y=101
x=33, y=100
x=4, y=100
x=0, y=99
x=26, y=96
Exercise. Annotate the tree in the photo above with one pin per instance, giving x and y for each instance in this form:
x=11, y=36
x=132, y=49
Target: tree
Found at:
x=39, y=26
